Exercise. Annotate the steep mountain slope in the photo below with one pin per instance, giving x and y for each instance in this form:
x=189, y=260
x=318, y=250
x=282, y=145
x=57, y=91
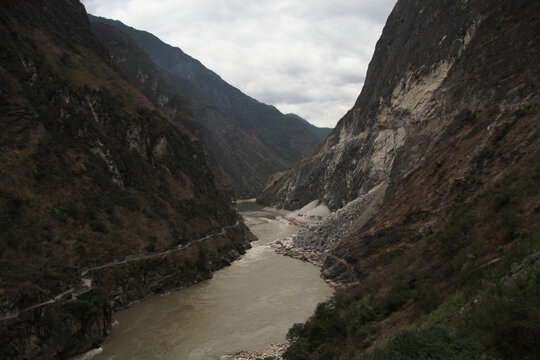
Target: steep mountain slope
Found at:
x=224, y=138
x=407, y=102
x=93, y=178
x=248, y=140
x=437, y=164
x=139, y=69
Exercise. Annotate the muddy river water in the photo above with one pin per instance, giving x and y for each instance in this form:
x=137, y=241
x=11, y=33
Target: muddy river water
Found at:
x=246, y=306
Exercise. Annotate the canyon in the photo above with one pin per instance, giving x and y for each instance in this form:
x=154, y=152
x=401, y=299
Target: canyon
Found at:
x=246, y=141
x=421, y=207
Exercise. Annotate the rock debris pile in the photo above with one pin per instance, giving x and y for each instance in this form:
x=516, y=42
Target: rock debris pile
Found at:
x=275, y=352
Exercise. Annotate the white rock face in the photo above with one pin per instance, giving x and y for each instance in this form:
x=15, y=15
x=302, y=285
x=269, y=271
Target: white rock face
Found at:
x=107, y=158
x=410, y=100
x=415, y=94
x=386, y=144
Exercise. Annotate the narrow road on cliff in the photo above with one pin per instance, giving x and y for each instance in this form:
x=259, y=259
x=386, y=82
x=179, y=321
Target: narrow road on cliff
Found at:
x=131, y=258
x=87, y=282
x=245, y=306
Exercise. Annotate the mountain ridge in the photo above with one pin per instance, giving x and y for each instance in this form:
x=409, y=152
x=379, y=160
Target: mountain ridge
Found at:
x=92, y=172
x=269, y=141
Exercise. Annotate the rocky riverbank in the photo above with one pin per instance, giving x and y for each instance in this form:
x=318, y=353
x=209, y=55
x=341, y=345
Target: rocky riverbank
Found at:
x=135, y=281
x=287, y=247
x=322, y=229
x=274, y=352
x=67, y=327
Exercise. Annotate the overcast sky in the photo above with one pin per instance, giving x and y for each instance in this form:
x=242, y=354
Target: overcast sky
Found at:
x=307, y=57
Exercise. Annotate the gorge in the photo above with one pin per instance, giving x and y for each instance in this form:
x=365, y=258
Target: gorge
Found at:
x=247, y=141
x=246, y=306
x=121, y=158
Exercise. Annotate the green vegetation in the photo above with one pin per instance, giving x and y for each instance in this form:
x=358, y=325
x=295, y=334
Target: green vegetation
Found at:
x=88, y=306
x=393, y=299
x=59, y=201
x=152, y=244
x=486, y=154
x=507, y=317
x=500, y=322
x=470, y=289
x=427, y=344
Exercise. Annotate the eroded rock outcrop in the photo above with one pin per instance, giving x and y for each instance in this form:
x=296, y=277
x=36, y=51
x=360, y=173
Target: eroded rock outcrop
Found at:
x=437, y=68
x=448, y=121
x=425, y=77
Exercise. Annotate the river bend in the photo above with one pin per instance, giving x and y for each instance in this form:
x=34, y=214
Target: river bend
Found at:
x=246, y=306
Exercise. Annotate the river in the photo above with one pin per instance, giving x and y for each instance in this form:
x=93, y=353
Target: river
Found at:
x=246, y=306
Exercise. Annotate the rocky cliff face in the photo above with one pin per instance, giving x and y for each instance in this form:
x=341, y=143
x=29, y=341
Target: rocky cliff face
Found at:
x=165, y=91
x=434, y=65
x=91, y=173
x=435, y=178
x=437, y=68
x=247, y=140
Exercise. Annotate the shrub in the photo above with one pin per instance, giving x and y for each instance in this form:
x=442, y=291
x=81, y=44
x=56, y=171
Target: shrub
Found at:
x=466, y=116
x=510, y=222
x=298, y=350
x=325, y=326
x=358, y=315
x=507, y=319
x=427, y=344
x=71, y=210
x=520, y=113
x=59, y=215
x=128, y=199
x=295, y=332
x=504, y=198
x=501, y=132
x=98, y=225
x=82, y=310
x=393, y=300
x=427, y=299
x=150, y=247
x=88, y=306
x=483, y=156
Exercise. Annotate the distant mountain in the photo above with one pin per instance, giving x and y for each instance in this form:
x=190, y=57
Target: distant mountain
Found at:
x=104, y=199
x=248, y=140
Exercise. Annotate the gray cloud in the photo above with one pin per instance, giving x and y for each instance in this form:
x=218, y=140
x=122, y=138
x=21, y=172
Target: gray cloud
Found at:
x=304, y=56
